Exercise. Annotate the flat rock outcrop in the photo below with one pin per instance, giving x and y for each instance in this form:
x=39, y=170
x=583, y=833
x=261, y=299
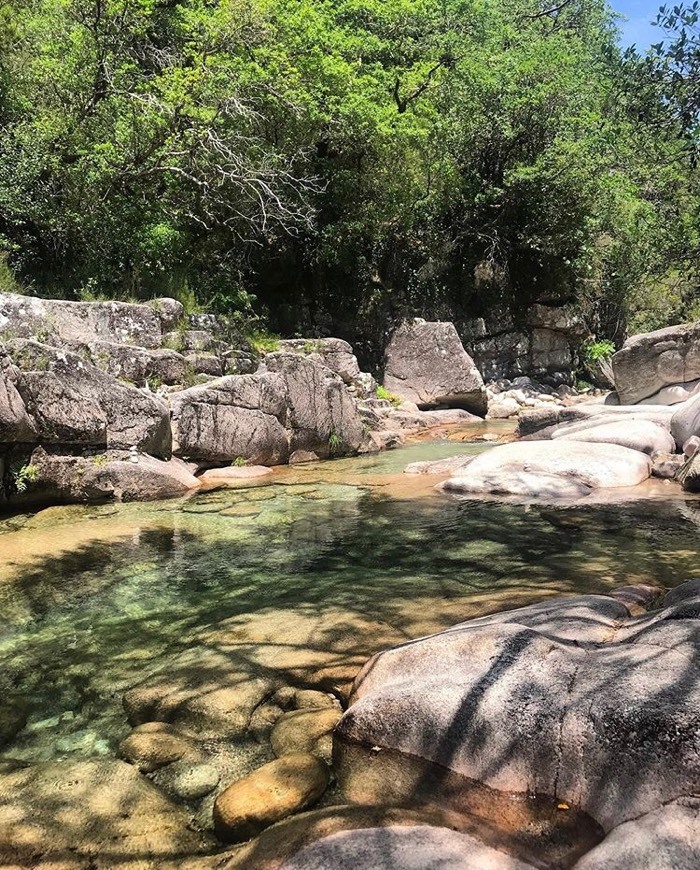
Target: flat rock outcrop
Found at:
x=426, y=363
x=575, y=699
x=57, y=322
x=648, y=362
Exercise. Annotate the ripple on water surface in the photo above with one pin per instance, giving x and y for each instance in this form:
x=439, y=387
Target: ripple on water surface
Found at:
x=314, y=567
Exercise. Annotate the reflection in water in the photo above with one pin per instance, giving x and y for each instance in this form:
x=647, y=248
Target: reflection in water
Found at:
x=327, y=563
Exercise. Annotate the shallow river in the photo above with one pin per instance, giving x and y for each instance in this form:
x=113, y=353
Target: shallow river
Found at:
x=310, y=570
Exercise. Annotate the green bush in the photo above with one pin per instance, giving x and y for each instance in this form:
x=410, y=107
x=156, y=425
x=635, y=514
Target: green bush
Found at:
x=383, y=393
x=596, y=351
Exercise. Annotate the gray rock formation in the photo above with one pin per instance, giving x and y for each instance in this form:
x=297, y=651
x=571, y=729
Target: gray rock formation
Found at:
x=667, y=838
x=646, y=363
x=544, y=346
x=60, y=476
x=72, y=402
x=293, y=403
x=335, y=354
x=237, y=415
x=56, y=322
x=425, y=363
x=139, y=365
x=573, y=698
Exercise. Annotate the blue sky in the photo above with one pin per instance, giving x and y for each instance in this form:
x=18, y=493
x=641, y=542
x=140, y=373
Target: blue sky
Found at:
x=637, y=29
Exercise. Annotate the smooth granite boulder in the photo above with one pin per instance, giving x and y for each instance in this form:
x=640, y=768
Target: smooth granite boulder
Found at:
x=646, y=363
x=426, y=363
x=551, y=469
x=645, y=436
x=573, y=698
x=270, y=793
x=685, y=422
x=406, y=847
x=542, y=423
x=667, y=838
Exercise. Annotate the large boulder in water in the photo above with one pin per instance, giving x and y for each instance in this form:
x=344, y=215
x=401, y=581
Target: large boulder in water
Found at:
x=425, y=363
x=653, y=360
x=237, y=415
x=550, y=469
x=574, y=699
x=58, y=475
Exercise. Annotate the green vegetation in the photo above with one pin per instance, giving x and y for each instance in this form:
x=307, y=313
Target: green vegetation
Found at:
x=596, y=351
x=262, y=341
x=383, y=393
x=240, y=461
x=23, y=476
x=335, y=442
x=335, y=164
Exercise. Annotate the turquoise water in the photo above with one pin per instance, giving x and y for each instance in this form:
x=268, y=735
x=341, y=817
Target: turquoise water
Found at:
x=338, y=558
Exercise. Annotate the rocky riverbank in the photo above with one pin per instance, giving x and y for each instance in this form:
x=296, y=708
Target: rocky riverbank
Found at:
x=113, y=400
x=564, y=734
x=572, y=452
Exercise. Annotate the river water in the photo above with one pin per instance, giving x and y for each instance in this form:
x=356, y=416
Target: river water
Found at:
x=308, y=572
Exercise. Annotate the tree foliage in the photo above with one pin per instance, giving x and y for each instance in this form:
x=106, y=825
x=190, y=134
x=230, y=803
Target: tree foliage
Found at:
x=339, y=163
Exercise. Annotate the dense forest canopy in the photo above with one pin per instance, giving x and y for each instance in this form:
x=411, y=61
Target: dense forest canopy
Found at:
x=335, y=164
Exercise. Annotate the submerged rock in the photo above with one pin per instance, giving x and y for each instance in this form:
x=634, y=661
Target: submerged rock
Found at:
x=306, y=730
x=272, y=792
x=101, y=814
x=188, y=781
x=426, y=363
x=156, y=744
x=404, y=847
x=14, y=711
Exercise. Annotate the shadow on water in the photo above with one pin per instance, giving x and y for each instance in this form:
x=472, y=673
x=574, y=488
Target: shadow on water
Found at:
x=90, y=622
x=294, y=584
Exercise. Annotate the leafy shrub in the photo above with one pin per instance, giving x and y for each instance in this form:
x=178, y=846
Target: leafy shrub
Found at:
x=383, y=393
x=25, y=475
x=596, y=351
